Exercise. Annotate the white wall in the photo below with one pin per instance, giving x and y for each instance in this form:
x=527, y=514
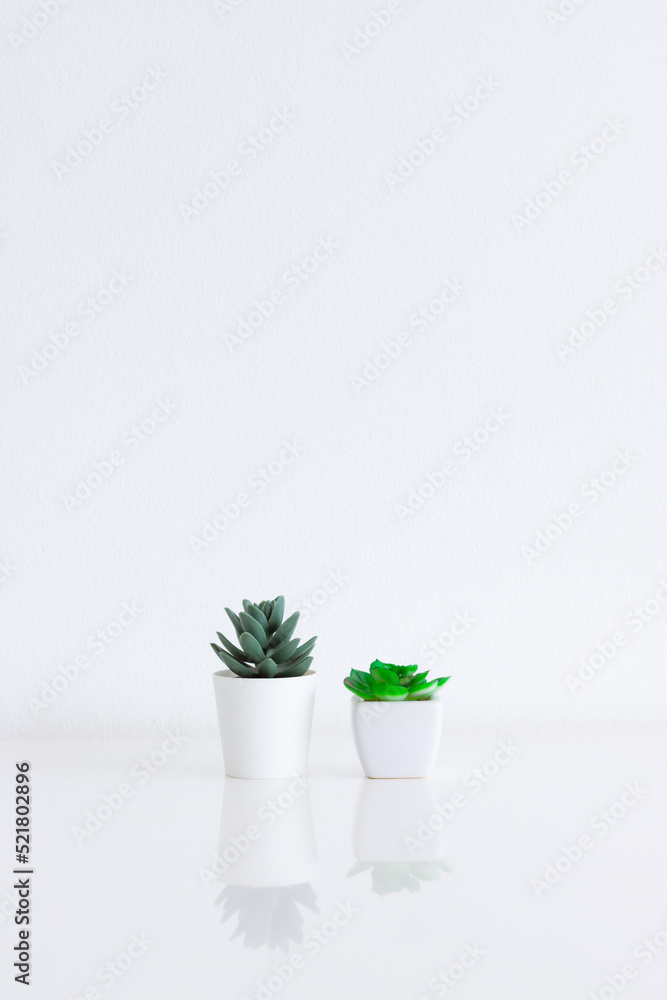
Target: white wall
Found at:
x=348, y=116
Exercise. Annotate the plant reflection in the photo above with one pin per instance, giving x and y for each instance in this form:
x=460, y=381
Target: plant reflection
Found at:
x=395, y=876
x=267, y=916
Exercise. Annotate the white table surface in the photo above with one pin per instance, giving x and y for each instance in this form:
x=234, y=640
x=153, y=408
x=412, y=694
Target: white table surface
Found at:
x=147, y=872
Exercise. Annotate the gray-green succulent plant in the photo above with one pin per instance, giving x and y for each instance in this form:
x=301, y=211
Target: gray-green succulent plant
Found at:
x=267, y=648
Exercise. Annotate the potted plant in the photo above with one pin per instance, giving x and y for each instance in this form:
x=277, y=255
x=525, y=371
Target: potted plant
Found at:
x=396, y=719
x=265, y=698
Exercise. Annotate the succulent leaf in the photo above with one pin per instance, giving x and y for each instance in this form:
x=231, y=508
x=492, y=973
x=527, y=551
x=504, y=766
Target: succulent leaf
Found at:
x=296, y=660
x=284, y=632
x=251, y=625
x=277, y=612
x=285, y=652
x=238, y=668
x=251, y=647
x=259, y=617
x=388, y=692
x=305, y=647
x=417, y=679
x=267, y=668
x=361, y=692
x=423, y=690
x=231, y=648
x=236, y=622
x=384, y=675
x=296, y=669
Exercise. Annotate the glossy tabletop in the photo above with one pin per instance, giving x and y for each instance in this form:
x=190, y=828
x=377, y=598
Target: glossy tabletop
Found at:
x=525, y=867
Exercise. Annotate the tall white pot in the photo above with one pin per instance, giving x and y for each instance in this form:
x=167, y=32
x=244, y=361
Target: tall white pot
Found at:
x=265, y=723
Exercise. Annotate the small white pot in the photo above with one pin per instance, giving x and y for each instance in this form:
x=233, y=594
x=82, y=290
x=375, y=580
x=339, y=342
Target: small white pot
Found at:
x=265, y=723
x=397, y=739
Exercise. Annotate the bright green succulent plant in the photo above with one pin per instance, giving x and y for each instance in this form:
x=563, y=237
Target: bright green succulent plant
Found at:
x=390, y=682
x=267, y=647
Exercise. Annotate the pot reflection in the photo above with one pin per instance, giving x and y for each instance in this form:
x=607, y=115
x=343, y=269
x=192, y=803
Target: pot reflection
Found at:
x=267, y=857
x=392, y=838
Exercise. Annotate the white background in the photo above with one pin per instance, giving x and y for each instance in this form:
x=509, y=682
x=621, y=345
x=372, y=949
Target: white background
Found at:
x=360, y=103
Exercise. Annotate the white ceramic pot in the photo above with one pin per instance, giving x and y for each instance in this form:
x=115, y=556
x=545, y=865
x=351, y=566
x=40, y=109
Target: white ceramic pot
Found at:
x=397, y=739
x=265, y=723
